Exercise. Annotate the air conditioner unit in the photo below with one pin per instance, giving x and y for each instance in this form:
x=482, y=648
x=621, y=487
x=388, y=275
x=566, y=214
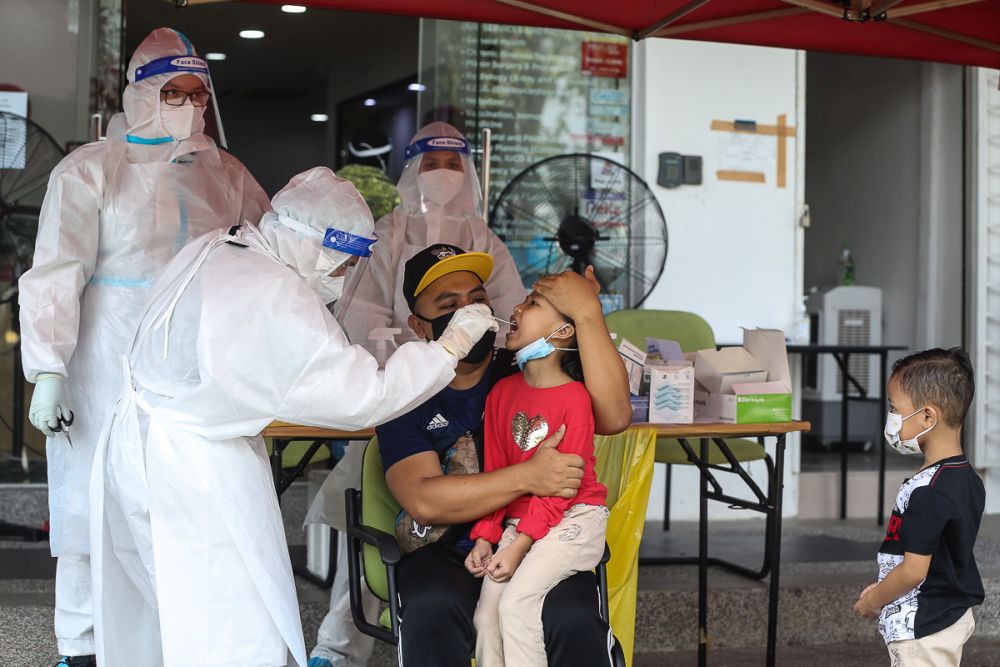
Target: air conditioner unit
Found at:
x=846, y=315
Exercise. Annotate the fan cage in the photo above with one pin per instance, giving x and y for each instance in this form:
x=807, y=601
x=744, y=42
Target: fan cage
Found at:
x=538, y=214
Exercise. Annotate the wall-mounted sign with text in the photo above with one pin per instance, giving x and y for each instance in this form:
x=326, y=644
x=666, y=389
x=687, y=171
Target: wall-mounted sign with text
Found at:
x=542, y=92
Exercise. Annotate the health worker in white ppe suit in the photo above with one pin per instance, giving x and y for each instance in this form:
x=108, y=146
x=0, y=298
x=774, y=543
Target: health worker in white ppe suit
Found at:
x=115, y=213
x=441, y=202
x=190, y=561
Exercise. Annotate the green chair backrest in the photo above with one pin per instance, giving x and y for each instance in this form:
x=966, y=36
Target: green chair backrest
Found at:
x=378, y=510
x=293, y=453
x=689, y=330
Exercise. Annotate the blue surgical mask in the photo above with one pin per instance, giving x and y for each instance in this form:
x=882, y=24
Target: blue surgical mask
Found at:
x=540, y=349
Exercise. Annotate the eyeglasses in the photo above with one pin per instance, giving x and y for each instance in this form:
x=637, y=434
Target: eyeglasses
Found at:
x=176, y=98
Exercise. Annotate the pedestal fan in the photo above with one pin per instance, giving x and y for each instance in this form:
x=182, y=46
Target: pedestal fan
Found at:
x=569, y=211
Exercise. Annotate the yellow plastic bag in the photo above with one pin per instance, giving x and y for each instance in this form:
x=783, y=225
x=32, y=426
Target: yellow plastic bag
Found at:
x=625, y=466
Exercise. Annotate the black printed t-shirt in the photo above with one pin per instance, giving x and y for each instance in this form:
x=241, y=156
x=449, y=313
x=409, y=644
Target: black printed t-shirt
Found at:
x=937, y=514
x=435, y=425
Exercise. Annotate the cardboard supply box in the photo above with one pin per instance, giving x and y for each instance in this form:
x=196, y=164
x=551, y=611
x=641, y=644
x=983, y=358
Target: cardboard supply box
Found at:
x=744, y=385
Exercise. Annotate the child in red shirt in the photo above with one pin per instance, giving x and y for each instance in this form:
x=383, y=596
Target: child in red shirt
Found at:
x=548, y=539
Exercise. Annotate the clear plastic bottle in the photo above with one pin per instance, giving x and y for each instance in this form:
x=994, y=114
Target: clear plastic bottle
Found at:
x=800, y=335
x=846, y=266
x=380, y=339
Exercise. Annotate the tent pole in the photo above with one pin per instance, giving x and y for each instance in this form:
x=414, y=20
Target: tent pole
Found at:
x=673, y=16
x=947, y=34
x=828, y=8
x=579, y=20
x=934, y=5
x=732, y=20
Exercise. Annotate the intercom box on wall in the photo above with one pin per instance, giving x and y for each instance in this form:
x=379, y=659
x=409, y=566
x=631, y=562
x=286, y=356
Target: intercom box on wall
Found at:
x=676, y=170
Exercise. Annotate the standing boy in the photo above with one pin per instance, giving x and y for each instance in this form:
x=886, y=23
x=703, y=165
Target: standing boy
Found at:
x=928, y=579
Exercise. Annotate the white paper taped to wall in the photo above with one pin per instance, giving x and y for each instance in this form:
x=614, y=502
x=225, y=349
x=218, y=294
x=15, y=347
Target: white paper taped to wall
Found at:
x=747, y=151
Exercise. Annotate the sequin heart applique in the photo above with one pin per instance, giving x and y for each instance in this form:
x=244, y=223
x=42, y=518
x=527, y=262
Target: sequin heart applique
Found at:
x=528, y=433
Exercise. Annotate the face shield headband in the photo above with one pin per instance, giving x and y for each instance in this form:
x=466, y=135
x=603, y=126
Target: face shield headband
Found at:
x=172, y=65
x=352, y=244
x=431, y=144
x=334, y=239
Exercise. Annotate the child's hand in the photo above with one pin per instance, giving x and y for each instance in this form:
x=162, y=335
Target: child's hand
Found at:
x=504, y=562
x=479, y=558
x=864, y=607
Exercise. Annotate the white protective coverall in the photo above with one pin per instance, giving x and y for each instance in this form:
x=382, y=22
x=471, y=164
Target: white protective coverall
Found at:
x=378, y=302
x=190, y=560
x=419, y=222
x=115, y=213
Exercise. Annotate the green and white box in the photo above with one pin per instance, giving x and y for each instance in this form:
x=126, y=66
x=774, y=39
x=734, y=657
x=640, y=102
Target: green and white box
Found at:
x=744, y=385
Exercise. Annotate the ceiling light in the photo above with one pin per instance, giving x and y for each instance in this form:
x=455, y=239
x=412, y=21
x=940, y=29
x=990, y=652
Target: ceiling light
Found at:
x=215, y=56
x=417, y=87
x=293, y=9
x=251, y=34
x=319, y=117
x=370, y=102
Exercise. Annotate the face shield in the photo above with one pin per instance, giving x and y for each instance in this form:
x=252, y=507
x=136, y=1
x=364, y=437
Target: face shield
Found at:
x=439, y=175
x=322, y=229
x=331, y=262
x=358, y=250
x=164, y=55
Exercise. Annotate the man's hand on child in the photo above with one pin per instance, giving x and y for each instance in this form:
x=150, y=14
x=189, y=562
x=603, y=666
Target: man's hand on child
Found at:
x=551, y=473
x=571, y=294
x=479, y=558
x=864, y=606
x=505, y=561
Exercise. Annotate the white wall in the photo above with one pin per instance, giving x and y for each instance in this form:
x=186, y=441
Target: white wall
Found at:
x=732, y=255
x=982, y=440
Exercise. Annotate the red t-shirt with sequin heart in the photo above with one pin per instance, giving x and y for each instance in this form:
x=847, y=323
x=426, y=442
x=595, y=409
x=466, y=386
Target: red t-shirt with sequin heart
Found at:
x=518, y=417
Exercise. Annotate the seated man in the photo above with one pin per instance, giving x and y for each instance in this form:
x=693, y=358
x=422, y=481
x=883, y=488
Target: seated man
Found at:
x=438, y=595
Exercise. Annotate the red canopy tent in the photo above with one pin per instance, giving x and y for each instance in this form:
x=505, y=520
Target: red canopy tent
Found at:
x=965, y=32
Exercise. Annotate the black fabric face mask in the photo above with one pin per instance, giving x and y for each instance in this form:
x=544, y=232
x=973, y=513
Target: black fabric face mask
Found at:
x=479, y=351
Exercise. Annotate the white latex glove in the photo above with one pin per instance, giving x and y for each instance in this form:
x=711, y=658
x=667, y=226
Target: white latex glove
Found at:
x=48, y=403
x=467, y=326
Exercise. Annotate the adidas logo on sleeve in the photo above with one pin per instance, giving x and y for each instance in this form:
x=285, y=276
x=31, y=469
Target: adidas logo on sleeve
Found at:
x=437, y=422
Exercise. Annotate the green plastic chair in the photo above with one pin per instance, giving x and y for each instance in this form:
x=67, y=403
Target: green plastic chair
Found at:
x=373, y=553
x=693, y=333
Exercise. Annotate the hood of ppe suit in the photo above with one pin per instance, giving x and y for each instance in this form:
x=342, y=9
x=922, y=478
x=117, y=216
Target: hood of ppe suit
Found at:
x=141, y=99
x=469, y=197
x=313, y=202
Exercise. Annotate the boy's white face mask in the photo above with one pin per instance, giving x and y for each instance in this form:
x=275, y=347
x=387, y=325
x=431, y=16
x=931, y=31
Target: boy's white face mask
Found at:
x=894, y=424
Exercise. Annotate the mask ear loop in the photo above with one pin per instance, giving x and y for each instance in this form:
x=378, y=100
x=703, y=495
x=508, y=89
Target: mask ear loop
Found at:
x=917, y=437
x=561, y=349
